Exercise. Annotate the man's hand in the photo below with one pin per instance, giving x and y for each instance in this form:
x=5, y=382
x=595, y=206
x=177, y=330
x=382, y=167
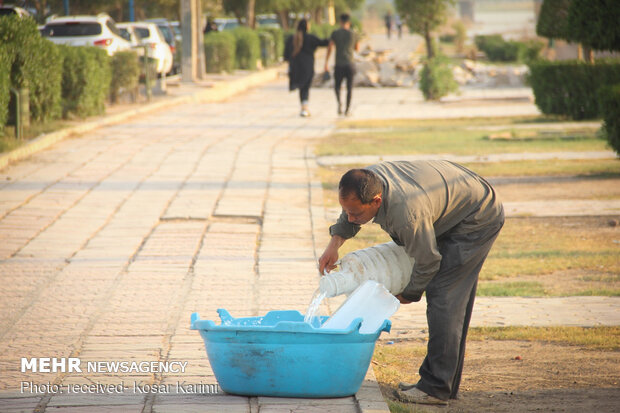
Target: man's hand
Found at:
x=330, y=47
x=330, y=255
x=403, y=300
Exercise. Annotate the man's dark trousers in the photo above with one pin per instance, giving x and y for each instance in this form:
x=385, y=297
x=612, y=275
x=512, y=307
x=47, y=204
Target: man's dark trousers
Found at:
x=450, y=300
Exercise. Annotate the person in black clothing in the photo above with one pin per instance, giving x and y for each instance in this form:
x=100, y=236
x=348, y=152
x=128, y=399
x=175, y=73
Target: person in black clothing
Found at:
x=346, y=42
x=299, y=52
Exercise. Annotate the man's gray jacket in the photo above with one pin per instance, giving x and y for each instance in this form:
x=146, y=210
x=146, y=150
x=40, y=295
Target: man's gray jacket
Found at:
x=423, y=201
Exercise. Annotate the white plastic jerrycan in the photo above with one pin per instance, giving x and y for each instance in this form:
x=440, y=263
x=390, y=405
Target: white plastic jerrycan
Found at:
x=386, y=263
x=370, y=301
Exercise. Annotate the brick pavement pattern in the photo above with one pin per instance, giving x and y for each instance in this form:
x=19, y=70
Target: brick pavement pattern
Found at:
x=109, y=241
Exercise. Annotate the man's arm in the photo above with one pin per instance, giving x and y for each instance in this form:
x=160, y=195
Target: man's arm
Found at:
x=418, y=237
x=330, y=47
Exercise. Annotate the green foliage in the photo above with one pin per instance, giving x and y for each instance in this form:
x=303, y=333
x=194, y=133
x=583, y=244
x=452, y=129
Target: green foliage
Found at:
x=610, y=108
x=45, y=79
x=499, y=50
x=219, y=52
x=247, y=50
x=436, y=79
x=595, y=23
x=85, y=80
x=34, y=63
x=553, y=19
x=5, y=87
x=125, y=68
x=267, y=48
x=322, y=31
x=569, y=88
x=422, y=16
x=278, y=39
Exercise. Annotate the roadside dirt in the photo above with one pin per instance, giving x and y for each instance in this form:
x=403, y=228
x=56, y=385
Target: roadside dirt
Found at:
x=548, y=377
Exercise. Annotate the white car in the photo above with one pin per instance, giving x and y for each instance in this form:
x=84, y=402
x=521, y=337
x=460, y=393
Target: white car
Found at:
x=100, y=31
x=157, y=48
x=14, y=11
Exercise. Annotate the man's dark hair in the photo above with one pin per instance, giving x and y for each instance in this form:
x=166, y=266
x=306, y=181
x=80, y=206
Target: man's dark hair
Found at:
x=344, y=17
x=362, y=183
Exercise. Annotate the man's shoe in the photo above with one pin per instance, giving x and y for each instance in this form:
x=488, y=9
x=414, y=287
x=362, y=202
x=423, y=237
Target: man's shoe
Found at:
x=405, y=386
x=304, y=113
x=417, y=396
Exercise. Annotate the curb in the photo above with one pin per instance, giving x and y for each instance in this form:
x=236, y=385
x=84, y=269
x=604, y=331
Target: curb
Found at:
x=219, y=92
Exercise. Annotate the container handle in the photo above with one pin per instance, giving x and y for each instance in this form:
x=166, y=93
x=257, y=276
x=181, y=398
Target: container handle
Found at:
x=225, y=316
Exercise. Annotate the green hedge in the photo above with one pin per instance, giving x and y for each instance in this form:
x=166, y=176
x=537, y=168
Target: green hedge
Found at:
x=499, y=50
x=278, y=39
x=323, y=31
x=85, y=80
x=569, y=88
x=35, y=63
x=247, y=50
x=436, y=79
x=125, y=68
x=5, y=87
x=610, y=108
x=219, y=52
x=267, y=48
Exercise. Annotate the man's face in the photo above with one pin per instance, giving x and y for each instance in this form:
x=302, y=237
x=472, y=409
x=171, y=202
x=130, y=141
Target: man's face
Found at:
x=358, y=213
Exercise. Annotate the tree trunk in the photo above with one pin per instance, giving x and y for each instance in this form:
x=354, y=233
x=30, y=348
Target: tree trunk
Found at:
x=429, y=43
x=588, y=54
x=250, y=15
x=283, y=17
x=318, y=15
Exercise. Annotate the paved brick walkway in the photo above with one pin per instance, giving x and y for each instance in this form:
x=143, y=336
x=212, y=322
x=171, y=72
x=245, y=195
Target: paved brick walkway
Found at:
x=109, y=241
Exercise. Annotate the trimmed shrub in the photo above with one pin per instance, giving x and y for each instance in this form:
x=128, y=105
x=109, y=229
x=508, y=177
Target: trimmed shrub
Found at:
x=125, y=68
x=278, y=39
x=247, y=50
x=499, y=50
x=219, y=52
x=85, y=81
x=267, y=48
x=610, y=108
x=34, y=63
x=569, y=88
x=436, y=79
x=322, y=31
x=5, y=87
x=45, y=81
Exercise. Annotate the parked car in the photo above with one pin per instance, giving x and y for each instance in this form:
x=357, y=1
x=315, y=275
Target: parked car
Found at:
x=268, y=20
x=226, y=24
x=168, y=31
x=151, y=36
x=128, y=32
x=100, y=31
x=13, y=11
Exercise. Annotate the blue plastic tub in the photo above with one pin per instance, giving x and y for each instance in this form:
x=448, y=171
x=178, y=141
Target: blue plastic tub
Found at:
x=280, y=355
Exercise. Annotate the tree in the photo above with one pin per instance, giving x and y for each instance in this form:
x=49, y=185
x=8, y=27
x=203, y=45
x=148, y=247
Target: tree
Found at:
x=595, y=23
x=423, y=17
x=553, y=19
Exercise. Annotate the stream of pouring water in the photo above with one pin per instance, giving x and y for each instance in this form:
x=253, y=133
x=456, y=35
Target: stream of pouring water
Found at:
x=312, y=315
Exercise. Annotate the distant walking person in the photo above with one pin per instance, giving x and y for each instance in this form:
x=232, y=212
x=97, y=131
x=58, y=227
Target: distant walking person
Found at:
x=346, y=41
x=399, y=26
x=299, y=52
x=388, y=24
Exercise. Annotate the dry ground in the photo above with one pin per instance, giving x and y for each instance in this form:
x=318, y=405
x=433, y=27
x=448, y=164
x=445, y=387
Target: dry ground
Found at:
x=549, y=377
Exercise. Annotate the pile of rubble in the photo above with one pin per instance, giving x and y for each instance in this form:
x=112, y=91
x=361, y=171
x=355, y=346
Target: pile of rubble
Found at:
x=480, y=74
